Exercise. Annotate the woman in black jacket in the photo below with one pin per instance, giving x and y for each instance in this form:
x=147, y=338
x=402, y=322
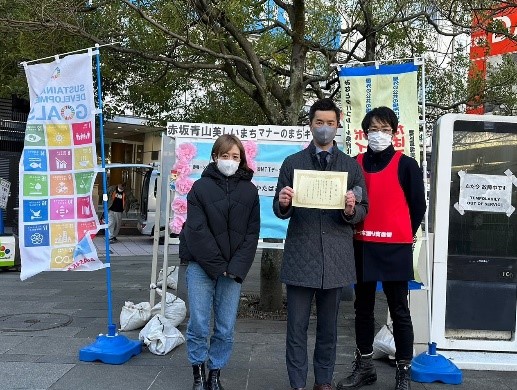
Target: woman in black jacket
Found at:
x=219, y=240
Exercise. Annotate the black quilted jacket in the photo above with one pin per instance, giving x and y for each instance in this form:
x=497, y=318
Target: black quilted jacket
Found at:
x=223, y=223
x=318, y=250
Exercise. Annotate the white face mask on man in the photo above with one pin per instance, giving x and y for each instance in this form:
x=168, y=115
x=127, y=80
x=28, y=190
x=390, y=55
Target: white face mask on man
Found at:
x=227, y=167
x=379, y=140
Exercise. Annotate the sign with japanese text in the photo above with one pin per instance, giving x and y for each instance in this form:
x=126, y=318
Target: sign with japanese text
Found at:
x=319, y=189
x=5, y=186
x=393, y=86
x=57, y=169
x=213, y=131
x=252, y=133
x=488, y=193
x=265, y=156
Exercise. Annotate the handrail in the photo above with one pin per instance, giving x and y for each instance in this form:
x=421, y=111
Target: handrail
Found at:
x=261, y=244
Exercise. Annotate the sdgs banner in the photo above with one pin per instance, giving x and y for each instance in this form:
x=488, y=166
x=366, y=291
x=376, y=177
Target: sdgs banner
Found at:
x=57, y=169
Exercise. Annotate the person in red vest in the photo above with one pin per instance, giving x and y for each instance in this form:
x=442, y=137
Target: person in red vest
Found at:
x=383, y=246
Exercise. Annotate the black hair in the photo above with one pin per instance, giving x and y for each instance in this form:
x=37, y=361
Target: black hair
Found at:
x=384, y=115
x=325, y=104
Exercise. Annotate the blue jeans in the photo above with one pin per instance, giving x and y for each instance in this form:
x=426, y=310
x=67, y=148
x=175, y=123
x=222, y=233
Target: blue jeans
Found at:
x=204, y=294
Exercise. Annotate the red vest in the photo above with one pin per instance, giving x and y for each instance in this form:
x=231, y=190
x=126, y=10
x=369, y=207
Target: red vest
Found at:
x=388, y=219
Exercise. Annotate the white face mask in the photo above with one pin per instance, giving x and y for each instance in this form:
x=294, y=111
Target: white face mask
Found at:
x=227, y=167
x=378, y=140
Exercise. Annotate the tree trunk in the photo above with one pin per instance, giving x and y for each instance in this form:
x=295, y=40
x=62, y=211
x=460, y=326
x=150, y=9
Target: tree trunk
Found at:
x=270, y=286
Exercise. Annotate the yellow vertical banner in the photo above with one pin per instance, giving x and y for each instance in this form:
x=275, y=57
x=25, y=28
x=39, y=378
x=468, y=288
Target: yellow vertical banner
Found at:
x=393, y=86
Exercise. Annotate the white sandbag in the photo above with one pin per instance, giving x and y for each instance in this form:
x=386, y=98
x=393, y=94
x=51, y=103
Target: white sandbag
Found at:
x=175, y=308
x=160, y=335
x=134, y=316
x=172, y=277
x=384, y=343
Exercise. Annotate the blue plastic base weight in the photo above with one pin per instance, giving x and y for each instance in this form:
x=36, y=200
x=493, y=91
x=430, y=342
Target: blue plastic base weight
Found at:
x=115, y=349
x=432, y=367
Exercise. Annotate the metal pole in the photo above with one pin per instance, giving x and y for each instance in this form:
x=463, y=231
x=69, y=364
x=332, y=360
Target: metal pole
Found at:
x=157, y=222
x=111, y=326
x=97, y=46
x=426, y=216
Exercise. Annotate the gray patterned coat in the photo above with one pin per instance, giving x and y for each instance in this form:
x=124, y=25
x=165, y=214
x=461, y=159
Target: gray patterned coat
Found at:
x=318, y=250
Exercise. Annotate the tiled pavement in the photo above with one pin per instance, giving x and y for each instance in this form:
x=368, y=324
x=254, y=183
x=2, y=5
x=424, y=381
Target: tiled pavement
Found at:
x=130, y=246
x=46, y=320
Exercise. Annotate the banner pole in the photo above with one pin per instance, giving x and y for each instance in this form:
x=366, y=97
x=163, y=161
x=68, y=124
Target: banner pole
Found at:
x=157, y=224
x=111, y=326
x=166, y=177
x=68, y=52
x=430, y=366
x=426, y=215
x=112, y=348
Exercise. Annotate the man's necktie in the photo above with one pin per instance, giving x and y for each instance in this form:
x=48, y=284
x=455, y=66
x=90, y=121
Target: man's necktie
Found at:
x=323, y=159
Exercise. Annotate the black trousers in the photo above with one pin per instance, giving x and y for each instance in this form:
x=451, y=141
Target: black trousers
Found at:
x=299, y=300
x=396, y=294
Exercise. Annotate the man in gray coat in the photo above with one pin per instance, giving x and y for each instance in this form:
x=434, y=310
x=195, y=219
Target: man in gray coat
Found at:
x=318, y=253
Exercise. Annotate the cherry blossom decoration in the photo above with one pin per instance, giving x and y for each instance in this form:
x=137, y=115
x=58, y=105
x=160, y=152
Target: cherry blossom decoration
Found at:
x=182, y=168
x=251, y=150
x=183, y=185
x=179, y=205
x=185, y=153
x=176, y=224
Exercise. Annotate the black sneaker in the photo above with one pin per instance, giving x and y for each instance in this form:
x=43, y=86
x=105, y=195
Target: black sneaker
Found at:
x=113, y=240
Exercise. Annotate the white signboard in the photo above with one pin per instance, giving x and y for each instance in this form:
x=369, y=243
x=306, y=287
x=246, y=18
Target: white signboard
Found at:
x=489, y=193
x=4, y=192
x=264, y=156
x=212, y=131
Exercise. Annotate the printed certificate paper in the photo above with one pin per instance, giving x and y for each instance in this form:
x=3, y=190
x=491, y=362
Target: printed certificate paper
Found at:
x=319, y=189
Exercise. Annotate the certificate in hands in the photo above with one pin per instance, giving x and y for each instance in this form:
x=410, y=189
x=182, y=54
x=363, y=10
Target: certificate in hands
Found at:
x=319, y=189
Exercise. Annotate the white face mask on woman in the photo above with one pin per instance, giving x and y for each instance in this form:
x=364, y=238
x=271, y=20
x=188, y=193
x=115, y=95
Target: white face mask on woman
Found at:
x=227, y=167
x=379, y=140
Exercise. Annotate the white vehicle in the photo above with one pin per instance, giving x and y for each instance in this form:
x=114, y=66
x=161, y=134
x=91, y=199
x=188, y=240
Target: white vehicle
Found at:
x=147, y=214
x=147, y=210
